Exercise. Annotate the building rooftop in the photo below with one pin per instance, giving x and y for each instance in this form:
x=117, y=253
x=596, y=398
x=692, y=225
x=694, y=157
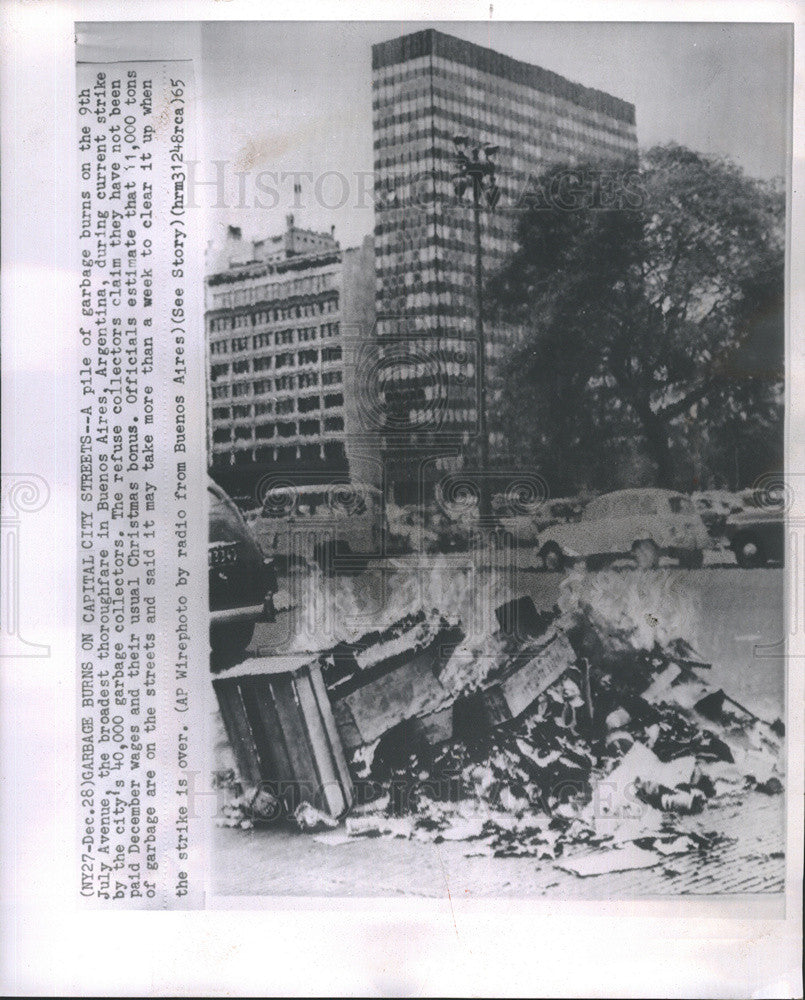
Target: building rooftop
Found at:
x=432, y=42
x=295, y=242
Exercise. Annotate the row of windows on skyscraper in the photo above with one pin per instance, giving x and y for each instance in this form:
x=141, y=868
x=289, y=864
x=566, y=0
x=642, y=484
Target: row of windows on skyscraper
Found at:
x=280, y=339
x=283, y=429
x=259, y=387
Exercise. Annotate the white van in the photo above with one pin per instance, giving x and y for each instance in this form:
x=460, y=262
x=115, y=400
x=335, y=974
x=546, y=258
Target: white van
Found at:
x=328, y=523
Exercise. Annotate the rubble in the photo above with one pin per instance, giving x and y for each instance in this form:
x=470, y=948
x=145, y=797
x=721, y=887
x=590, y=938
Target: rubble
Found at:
x=389, y=676
x=419, y=668
x=309, y=819
x=246, y=806
x=589, y=728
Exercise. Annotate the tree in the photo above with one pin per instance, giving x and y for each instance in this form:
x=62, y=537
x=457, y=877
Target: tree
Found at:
x=642, y=304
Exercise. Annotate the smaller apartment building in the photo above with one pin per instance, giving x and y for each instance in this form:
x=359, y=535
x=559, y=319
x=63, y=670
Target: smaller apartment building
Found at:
x=284, y=318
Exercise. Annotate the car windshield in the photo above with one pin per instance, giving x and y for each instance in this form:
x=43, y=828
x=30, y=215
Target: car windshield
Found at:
x=347, y=500
x=225, y=520
x=284, y=502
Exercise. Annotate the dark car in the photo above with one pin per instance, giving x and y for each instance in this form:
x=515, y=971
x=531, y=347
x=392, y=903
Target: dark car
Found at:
x=242, y=581
x=756, y=535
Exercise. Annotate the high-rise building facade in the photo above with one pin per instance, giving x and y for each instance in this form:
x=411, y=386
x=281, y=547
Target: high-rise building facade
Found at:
x=283, y=318
x=429, y=87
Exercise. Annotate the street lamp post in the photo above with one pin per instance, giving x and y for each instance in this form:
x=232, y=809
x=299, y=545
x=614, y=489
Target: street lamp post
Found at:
x=478, y=176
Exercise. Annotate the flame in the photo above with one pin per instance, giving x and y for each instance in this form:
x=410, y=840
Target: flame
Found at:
x=636, y=609
x=331, y=609
x=471, y=662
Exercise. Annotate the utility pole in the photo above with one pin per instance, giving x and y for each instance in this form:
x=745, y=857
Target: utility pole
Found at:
x=479, y=176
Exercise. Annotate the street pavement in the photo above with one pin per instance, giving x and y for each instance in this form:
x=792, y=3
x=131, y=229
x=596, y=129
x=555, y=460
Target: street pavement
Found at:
x=274, y=861
x=738, y=627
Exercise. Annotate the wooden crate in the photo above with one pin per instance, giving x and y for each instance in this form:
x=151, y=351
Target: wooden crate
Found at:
x=378, y=699
x=278, y=719
x=531, y=673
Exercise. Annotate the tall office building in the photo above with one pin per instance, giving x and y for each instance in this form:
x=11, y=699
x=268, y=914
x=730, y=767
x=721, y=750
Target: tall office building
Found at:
x=427, y=88
x=284, y=319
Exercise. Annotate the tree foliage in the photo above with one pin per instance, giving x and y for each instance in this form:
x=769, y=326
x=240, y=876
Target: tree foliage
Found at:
x=652, y=346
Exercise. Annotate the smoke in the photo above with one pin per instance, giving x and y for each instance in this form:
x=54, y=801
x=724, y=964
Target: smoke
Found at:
x=336, y=608
x=636, y=609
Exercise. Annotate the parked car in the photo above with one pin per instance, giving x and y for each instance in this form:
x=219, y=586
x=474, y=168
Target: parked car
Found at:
x=756, y=535
x=641, y=523
x=329, y=523
x=242, y=581
x=523, y=526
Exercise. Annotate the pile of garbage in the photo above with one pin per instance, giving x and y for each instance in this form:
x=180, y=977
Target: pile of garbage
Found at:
x=588, y=735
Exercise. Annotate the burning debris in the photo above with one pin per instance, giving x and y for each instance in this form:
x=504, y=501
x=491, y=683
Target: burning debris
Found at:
x=247, y=806
x=588, y=727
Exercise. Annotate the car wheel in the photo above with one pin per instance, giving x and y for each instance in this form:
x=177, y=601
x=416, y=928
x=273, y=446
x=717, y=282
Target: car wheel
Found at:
x=749, y=552
x=646, y=554
x=693, y=559
x=283, y=564
x=552, y=558
x=231, y=638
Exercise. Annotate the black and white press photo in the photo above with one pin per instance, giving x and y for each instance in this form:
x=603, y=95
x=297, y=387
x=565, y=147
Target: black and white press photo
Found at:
x=494, y=334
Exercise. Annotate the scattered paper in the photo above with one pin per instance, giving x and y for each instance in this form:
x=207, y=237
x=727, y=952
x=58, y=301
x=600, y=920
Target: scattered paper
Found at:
x=616, y=809
x=604, y=862
x=679, y=845
x=309, y=819
x=334, y=838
